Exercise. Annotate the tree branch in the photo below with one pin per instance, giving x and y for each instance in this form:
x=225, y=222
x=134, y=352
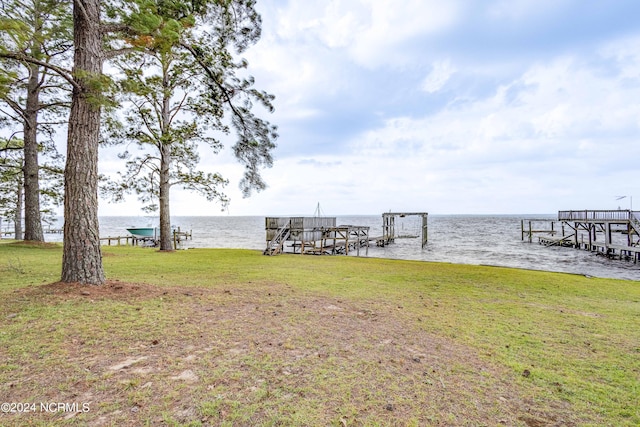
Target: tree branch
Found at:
x=15, y=107
x=11, y=148
x=212, y=78
x=177, y=108
x=64, y=104
x=25, y=58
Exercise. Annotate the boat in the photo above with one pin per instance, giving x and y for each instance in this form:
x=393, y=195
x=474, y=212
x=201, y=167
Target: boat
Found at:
x=142, y=232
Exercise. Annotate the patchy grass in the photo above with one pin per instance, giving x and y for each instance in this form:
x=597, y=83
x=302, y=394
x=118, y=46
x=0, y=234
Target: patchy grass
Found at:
x=231, y=337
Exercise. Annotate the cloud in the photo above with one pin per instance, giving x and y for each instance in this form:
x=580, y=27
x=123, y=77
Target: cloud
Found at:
x=371, y=32
x=440, y=74
x=553, y=126
x=382, y=41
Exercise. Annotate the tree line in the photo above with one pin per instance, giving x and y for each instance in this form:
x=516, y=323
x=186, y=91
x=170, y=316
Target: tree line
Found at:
x=174, y=84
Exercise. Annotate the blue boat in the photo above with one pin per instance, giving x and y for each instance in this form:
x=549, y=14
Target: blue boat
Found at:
x=143, y=232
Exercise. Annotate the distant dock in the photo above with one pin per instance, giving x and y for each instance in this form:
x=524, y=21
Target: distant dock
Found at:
x=178, y=236
x=48, y=230
x=612, y=233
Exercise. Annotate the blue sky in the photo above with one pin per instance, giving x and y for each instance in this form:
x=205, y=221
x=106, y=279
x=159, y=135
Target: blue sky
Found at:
x=456, y=107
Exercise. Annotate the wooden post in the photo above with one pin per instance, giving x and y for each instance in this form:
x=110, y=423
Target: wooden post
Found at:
x=346, y=243
x=367, y=250
x=425, y=230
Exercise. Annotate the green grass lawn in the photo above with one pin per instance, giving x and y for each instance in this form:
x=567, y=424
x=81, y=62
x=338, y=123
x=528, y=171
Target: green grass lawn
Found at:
x=232, y=337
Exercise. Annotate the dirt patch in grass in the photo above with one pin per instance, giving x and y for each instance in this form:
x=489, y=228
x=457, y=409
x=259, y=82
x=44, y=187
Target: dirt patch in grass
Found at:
x=254, y=354
x=111, y=290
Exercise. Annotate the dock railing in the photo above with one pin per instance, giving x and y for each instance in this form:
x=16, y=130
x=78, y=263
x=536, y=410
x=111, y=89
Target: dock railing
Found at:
x=597, y=215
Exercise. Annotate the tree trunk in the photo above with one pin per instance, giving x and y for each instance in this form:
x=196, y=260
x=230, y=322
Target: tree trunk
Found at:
x=32, y=220
x=165, y=167
x=17, y=220
x=82, y=259
x=166, y=241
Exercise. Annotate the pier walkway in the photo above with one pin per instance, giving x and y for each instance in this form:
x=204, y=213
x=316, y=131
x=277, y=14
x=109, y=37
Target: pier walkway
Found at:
x=613, y=233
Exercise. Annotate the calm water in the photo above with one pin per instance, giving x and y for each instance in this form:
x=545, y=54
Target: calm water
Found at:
x=487, y=240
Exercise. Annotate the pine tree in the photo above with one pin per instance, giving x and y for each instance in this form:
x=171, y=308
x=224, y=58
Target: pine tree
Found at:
x=12, y=183
x=30, y=93
x=178, y=98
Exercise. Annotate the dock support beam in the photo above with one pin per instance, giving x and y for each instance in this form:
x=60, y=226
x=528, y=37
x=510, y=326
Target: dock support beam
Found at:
x=389, y=224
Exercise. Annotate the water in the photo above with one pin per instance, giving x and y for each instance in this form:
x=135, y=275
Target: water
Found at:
x=465, y=239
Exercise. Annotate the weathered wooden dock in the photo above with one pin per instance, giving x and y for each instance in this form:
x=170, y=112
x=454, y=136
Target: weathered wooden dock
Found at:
x=321, y=236
x=314, y=236
x=389, y=232
x=532, y=227
x=178, y=237
x=118, y=240
x=613, y=233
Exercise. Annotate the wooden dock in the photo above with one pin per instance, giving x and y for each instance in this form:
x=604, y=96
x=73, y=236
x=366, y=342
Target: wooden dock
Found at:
x=532, y=227
x=129, y=240
x=612, y=233
x=181, y=236
x=314, y=236
x=48, y=230
x=178, y=237
x=389, y=233
x=321, y=235
x=118, y=240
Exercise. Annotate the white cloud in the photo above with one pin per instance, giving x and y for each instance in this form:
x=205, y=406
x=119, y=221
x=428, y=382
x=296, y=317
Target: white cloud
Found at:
x=552, y=127
x=372, y=32
x=393, y=23
x=440, y=74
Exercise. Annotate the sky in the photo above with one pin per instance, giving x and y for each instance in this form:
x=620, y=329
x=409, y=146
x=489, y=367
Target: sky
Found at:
x=456, y=107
